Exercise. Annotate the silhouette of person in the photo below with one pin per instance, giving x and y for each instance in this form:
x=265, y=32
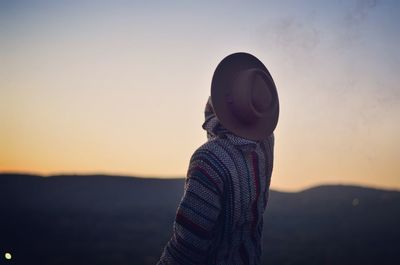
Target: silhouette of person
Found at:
x=220, y=217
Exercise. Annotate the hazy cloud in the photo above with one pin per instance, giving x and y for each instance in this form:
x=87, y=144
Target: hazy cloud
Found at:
x=359, y=12
x=291, y=37
x=353, y=22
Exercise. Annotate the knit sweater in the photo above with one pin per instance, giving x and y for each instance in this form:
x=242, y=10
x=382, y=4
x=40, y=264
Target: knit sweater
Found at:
x=219, y=220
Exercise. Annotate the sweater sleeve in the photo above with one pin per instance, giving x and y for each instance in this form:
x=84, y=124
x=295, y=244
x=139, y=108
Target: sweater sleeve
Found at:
x=197, y=214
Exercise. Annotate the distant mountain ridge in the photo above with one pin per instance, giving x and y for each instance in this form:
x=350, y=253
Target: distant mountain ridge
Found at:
x=101, y=219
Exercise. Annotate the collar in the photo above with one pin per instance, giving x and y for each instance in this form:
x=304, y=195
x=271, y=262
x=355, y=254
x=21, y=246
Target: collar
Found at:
x=242, y=143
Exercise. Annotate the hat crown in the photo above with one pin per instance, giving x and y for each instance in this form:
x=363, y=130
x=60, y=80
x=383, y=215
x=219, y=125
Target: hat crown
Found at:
x=251, y=95
x=244, y=96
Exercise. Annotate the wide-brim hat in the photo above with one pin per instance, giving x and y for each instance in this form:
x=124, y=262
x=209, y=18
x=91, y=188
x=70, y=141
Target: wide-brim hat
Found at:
x=244, y=96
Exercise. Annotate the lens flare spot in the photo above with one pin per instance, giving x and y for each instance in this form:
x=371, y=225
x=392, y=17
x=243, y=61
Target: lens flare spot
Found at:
x=355, y=202
x=7, y=255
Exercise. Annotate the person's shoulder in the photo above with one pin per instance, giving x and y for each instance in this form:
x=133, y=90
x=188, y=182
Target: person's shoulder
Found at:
x=209, y=150
x=206, y=161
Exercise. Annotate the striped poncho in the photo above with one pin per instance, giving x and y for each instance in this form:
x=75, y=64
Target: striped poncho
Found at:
x=220, y=217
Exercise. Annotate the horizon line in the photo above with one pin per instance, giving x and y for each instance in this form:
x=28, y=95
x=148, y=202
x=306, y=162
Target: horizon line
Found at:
x=307, y=187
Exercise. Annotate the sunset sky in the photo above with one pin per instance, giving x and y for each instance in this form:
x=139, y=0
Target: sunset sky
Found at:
x=119, y=87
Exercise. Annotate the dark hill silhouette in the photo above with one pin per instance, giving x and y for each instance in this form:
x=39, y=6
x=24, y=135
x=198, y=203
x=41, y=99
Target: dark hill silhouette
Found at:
x=124, y=220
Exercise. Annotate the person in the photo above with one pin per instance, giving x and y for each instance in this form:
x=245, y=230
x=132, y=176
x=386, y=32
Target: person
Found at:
x=219, y=219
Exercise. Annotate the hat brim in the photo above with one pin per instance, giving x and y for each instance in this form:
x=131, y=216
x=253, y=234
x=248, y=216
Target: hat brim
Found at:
x=221, y=86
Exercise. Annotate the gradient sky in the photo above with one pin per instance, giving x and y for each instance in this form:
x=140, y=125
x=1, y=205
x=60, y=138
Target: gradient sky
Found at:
x=119, y=87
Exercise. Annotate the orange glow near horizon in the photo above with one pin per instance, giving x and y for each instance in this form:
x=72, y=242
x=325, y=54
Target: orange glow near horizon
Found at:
x=121, y=89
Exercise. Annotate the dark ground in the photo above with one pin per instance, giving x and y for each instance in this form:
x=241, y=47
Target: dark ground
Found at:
x=117, y=220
